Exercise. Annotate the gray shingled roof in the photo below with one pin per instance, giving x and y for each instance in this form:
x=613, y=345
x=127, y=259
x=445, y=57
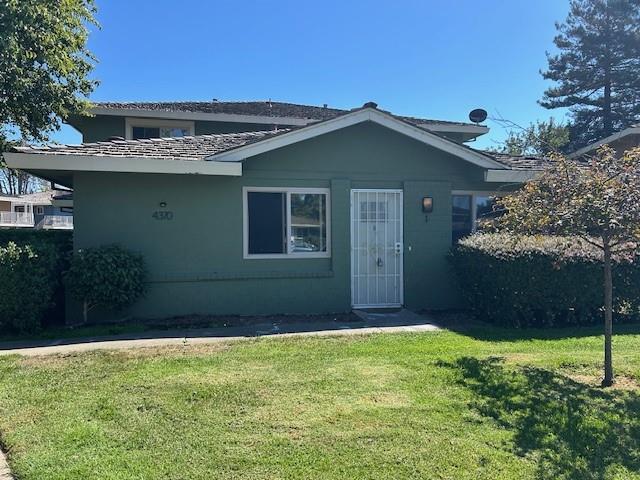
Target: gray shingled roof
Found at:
x=521, y=162
x=201, y=146
x=180, y=148
x=264, y=109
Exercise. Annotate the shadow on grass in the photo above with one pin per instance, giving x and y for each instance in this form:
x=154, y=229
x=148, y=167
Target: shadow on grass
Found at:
x=575, y=432
x=464, y=324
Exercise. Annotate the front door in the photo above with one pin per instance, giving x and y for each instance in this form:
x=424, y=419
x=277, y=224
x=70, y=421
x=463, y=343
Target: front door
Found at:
x=376, y=248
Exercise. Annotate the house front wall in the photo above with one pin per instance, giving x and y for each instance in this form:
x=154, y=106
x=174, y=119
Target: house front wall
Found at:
x=195, y=260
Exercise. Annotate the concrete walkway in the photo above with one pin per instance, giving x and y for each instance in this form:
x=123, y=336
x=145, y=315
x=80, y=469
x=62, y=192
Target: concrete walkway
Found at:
x=5, y=473
x=368, y=322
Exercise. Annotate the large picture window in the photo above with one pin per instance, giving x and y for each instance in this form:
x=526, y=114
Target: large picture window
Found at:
x=286, y=222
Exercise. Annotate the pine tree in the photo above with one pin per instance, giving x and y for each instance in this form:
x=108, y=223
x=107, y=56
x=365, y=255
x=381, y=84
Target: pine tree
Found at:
x=597, y=69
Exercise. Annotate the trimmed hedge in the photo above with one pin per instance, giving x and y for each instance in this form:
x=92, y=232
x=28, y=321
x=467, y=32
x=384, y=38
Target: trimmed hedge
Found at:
x=108, y=276
x=31, y=266
x=540, y=281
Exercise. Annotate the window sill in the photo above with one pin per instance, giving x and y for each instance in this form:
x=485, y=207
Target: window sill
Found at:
x=284, y=256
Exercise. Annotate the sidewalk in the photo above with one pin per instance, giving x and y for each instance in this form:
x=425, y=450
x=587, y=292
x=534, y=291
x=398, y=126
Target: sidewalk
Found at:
x=370, y=322
x=5, y=473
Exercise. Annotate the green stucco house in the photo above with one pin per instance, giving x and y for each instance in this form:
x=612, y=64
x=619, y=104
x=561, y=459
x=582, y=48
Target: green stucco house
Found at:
x=266, y=208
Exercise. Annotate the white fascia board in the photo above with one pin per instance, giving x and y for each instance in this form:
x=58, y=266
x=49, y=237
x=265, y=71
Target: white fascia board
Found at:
x=449, y=128
x=605, y=141
x=367, y=114
x=510, y=176
x=98, y=163
x=201, y=116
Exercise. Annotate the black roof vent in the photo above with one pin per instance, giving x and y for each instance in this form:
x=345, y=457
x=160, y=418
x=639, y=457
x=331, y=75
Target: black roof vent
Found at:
x=370, y=105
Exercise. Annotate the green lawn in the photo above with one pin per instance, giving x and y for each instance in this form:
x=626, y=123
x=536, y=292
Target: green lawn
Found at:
x=482, y=404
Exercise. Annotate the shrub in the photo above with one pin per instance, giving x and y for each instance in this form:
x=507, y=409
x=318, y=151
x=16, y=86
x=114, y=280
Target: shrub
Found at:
x=29, y=277
x=62, y=242
x=108, y=276
x=61, y=239
x=539, y=281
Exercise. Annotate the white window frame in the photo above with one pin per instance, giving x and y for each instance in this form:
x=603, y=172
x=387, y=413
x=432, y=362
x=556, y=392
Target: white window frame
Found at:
x=131, y=122
x=474, y=208
x=289, y=254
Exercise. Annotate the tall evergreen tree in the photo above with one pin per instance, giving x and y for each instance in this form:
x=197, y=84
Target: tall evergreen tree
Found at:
x=597, y=69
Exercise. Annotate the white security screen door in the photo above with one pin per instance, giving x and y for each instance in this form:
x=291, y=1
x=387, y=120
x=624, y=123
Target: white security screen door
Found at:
x=376, y=248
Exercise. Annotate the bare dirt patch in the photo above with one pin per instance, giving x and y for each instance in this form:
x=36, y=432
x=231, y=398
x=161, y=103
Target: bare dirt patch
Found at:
x=622, y=382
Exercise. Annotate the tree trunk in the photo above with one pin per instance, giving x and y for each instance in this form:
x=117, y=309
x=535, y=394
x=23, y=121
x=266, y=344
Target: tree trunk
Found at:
x=607, y=381
x=606, y=107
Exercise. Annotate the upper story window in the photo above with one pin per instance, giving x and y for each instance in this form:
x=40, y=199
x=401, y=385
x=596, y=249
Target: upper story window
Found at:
x=468, y=209
x=286, y=222
x=137, y=128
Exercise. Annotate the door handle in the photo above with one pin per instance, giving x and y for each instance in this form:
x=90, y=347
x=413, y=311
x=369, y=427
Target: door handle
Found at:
x=379, y=263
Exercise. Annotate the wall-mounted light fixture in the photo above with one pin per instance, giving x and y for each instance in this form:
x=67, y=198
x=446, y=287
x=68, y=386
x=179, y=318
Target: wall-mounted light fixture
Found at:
x=163, y=204
x=427, y=204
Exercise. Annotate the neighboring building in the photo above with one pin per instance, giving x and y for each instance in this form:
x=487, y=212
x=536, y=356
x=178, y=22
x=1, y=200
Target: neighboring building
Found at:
x=355, y=209
x=622, y=141
x=36, y=210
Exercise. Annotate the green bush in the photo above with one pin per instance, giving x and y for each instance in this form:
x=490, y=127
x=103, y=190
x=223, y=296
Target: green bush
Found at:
x=109, y=277
x=29, y=277
x=61, y=239
x=540, y=281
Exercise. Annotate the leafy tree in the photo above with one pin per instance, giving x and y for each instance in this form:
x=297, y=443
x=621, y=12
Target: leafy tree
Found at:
x=44, y=64
x=597, y=69
x=108, y=276
x=598, y=201
x=542, y=138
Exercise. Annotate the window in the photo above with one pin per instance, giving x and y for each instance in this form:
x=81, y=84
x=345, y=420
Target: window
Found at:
x=158, y=132
x=139, y=128
x=468, y=209
x=462, y=221
x=373, y=211
x=39, y=210
x=282, y=222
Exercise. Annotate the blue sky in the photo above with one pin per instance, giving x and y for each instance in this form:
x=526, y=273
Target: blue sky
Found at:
x=433, y=59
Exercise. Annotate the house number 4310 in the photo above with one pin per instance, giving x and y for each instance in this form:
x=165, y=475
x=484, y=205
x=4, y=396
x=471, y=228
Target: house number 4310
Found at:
x=162, y=215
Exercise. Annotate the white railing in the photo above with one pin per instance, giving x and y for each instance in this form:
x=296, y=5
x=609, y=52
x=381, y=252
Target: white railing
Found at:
x=16, y=219
x=56, y=222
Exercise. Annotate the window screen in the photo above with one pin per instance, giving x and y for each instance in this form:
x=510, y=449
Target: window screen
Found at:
x=308, y=222
x=462, y=221
x=267, y=225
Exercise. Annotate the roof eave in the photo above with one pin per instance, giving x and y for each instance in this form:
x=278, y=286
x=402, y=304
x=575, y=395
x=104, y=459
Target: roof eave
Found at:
x=103, y=163
x=510, y=176
x=611, y=138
